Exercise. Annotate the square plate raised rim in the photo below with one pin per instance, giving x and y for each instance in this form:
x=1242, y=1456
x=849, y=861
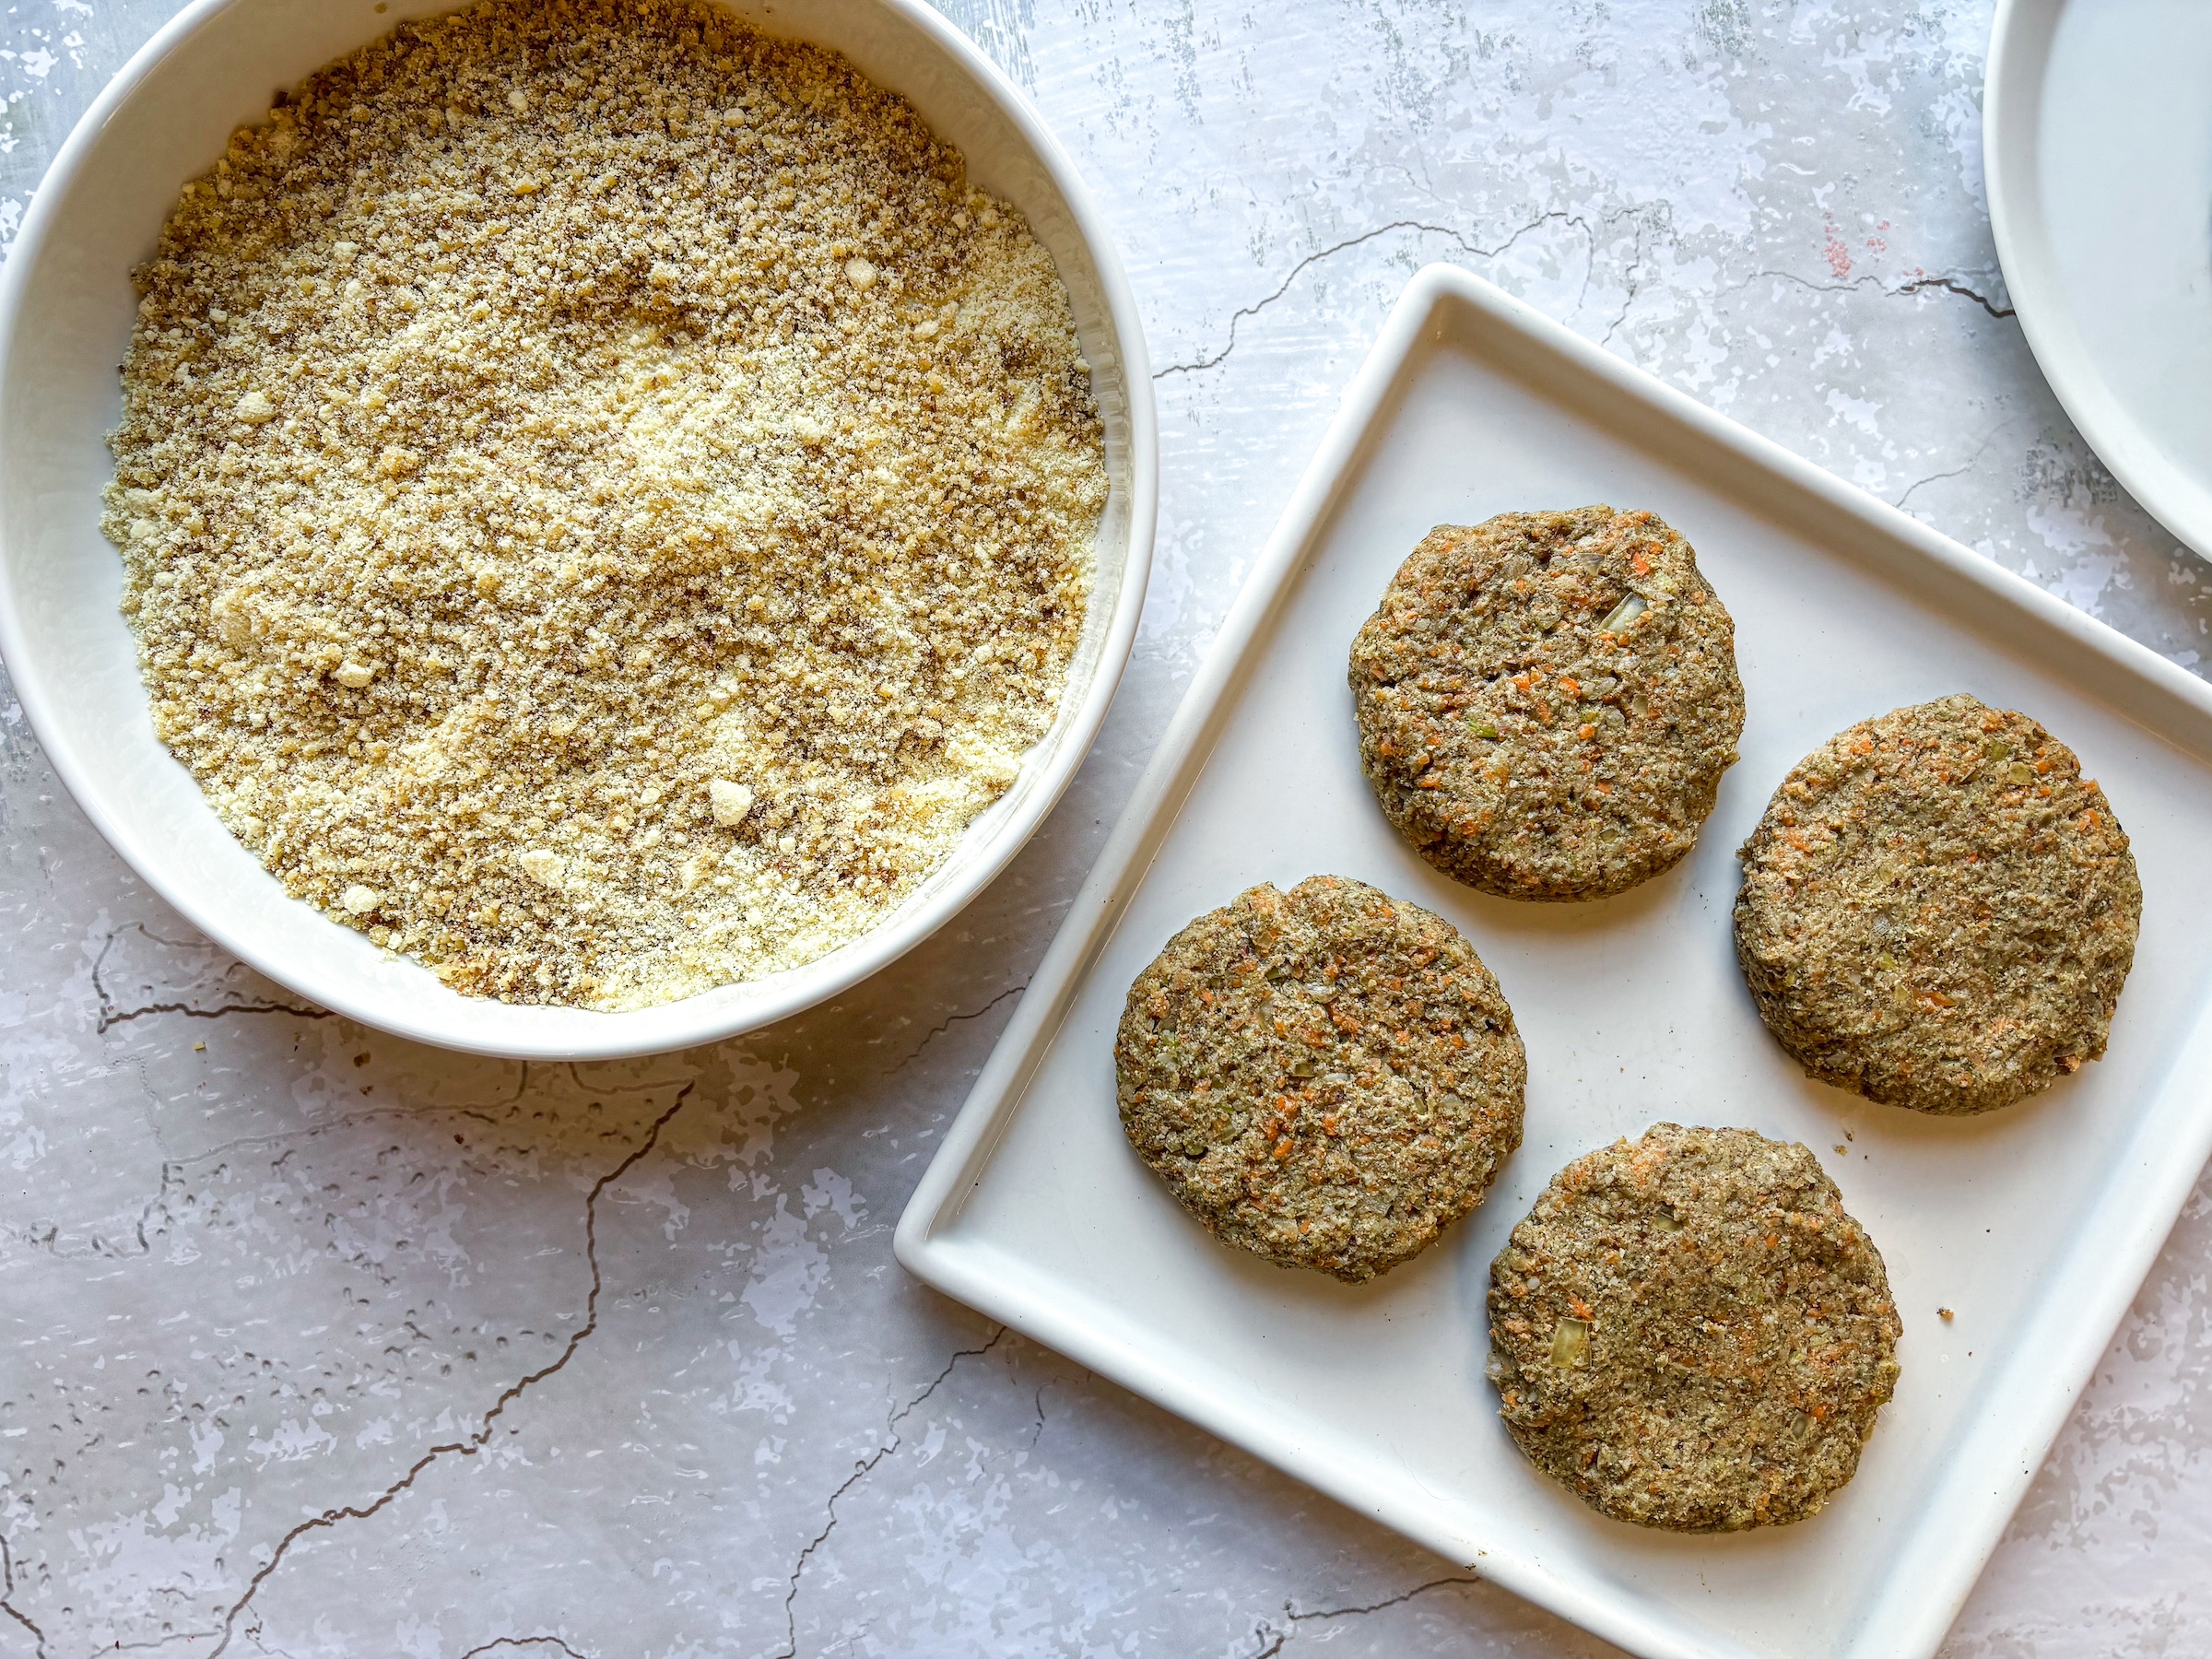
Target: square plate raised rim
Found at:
x=1999, y=1449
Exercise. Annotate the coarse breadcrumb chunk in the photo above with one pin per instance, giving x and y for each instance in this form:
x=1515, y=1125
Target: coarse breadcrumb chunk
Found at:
x=604, y=503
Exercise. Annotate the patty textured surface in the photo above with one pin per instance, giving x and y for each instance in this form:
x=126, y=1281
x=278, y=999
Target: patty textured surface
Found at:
x=1327, y=1077
x=1547, y=702
x=1690, y=1333
x=1938, y=911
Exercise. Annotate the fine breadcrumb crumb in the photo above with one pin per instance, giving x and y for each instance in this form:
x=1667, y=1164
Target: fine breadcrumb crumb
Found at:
x=604, y=505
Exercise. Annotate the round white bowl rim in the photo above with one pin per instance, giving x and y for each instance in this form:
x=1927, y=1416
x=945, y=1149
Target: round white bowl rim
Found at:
x=587, y=1034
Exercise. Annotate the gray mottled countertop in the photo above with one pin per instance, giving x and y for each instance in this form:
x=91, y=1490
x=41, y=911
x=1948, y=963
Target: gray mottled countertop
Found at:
x=315, y=1343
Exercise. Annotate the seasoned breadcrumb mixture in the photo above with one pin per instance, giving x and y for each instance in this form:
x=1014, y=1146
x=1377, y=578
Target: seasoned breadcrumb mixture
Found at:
x=604, y=505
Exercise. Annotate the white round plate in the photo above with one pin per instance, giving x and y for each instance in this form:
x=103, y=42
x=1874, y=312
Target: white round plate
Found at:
x=2096, y=140
x=66, y=311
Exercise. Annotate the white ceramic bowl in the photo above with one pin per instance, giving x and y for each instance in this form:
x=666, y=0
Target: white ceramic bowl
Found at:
x=65, y=312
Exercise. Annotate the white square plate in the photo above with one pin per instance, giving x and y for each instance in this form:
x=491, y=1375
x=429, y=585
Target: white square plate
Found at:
x=2034, y=1224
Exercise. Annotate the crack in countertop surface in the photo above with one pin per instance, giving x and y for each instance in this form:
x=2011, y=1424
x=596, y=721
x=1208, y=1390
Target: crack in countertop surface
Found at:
x=477, y=1440
x=862, y=1469
x=1321, y=255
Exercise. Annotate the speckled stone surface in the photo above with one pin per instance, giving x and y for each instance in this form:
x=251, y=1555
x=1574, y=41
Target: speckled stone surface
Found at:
x=313, y=1343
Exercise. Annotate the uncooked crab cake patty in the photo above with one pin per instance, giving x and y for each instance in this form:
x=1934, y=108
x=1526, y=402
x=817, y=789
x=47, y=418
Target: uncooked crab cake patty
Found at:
x=1938, y=911
x=1328, y=1077
x=1691, y=1333
x=1546, y=700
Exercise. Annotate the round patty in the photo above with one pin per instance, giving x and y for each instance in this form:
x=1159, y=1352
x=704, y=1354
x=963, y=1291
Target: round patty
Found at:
x=1547, y=702
x=1938, y=909
x=1328, y=1077
x=1691, y=1333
